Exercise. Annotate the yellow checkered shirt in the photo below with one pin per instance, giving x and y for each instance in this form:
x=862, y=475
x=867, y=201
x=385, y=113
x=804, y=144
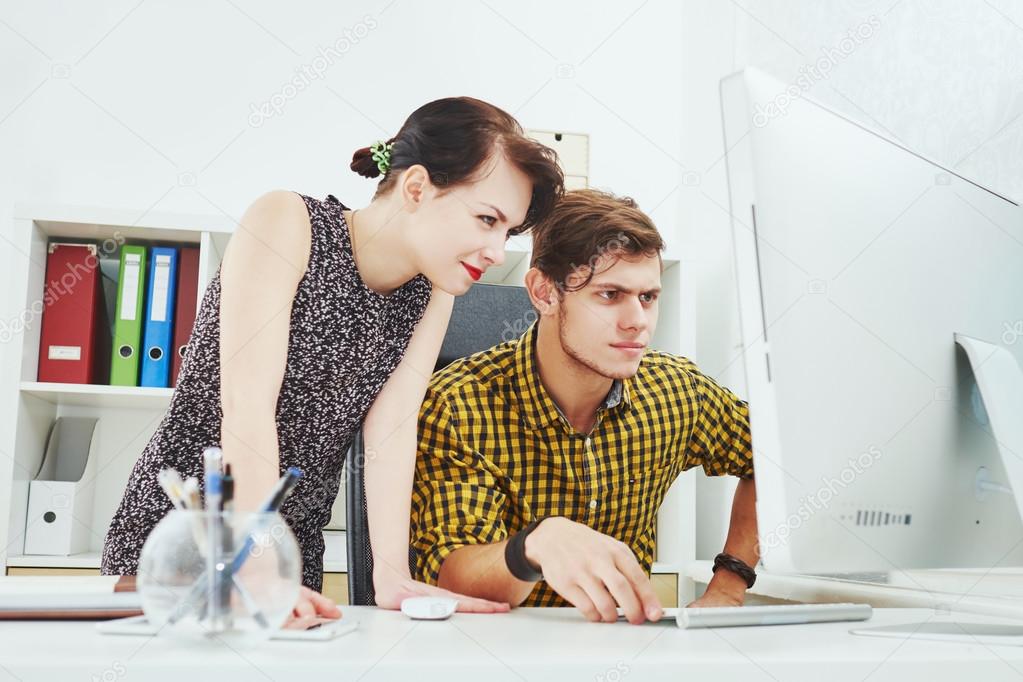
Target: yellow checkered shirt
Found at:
x=496, y=453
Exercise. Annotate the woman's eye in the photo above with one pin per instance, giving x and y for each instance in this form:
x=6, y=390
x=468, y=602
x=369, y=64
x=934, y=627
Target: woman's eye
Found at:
x=488, y=219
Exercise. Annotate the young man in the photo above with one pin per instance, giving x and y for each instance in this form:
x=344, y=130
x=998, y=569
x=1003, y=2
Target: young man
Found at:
x=543, y=461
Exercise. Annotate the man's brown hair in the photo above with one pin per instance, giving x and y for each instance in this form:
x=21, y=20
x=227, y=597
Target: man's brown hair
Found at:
x=584, y=226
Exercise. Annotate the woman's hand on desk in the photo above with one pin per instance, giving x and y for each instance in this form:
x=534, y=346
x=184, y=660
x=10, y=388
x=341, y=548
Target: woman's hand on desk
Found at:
x=312, y=609
x=391, y=594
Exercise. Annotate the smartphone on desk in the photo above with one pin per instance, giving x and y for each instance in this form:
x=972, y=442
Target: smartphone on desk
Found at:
x=140, y=625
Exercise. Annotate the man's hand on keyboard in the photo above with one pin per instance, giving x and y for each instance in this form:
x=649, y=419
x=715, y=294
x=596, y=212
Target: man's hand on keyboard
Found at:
x=593, y=571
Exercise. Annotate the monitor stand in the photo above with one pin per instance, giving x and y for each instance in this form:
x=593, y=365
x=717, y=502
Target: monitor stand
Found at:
x=1000, y=384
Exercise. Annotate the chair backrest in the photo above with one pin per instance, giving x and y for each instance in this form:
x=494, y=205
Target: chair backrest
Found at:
x=484, y=317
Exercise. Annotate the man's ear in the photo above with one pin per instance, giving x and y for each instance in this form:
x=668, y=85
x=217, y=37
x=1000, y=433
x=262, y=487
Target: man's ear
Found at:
x=415, y=184
x=542, y=292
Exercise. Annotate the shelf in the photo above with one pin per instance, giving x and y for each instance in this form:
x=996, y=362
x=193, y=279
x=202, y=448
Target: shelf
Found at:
x=335, y=552
x=98, y=223
x=83, y=560
x=93, y=395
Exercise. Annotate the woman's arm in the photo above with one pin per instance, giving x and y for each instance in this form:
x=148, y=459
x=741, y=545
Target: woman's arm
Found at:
x=390, y=436
x=265, y=260
x=391, y=432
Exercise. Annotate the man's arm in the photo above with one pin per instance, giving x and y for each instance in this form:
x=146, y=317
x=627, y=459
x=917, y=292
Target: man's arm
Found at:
x=458, y=528
x=727, y=588
x=480, y=570
x=722, y=444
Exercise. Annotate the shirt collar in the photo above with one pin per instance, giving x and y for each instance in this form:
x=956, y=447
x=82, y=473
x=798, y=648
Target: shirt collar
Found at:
x=535, y=404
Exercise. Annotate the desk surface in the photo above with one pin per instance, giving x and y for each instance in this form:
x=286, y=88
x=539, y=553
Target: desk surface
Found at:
x=526, y=644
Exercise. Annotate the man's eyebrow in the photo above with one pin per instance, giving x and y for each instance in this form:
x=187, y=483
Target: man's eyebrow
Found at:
x=500, y=214
x=624, y=289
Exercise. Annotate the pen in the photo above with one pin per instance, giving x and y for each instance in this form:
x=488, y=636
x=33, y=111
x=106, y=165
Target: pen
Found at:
x=227, y=506
x=227, y=490
x=212, y=460
x=214, y=532
x=283, y=488
x=190, y=495
x=190, y=501
x=214, y=492
x=273, y=503
x=170, y=481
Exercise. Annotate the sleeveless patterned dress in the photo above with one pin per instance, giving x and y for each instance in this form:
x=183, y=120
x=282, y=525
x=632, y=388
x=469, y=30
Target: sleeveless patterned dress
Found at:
x=345, y=341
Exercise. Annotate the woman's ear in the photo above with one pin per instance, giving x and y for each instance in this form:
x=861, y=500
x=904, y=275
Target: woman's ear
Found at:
x=415, y=184
x=542, y=292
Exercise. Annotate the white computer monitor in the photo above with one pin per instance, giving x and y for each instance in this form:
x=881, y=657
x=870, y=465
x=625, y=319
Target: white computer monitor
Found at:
x=857, y=262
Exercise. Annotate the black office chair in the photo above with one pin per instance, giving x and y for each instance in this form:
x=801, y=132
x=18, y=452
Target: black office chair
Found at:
x=486, y=316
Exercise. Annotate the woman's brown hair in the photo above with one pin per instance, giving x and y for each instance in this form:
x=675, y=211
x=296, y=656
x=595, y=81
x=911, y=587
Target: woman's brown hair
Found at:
x=453, y=137
x=584, y=226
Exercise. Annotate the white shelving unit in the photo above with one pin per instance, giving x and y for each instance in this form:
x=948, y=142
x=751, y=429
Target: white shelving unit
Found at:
x=128, y=416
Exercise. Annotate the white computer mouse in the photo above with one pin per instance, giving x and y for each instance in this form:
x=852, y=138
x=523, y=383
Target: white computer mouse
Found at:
x=428, y=608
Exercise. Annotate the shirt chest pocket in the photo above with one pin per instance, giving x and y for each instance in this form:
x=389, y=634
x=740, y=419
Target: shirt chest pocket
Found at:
x=632, y=500
x=646, y=451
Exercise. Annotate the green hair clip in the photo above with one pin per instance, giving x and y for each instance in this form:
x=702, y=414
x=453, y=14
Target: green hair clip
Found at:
x=381, y=152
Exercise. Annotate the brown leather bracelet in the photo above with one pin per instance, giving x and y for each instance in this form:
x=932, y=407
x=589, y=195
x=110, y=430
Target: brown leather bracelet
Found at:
x=736, y=566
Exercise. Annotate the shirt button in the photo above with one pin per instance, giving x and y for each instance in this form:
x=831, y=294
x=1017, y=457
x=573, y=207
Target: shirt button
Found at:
x=593, y=504
x=588, y=443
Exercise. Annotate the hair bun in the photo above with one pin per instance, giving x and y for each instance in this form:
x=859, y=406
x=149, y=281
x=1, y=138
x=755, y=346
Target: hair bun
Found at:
x=363, y=163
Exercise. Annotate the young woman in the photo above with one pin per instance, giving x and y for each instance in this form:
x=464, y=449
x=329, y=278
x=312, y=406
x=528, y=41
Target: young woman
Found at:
x=323, y=319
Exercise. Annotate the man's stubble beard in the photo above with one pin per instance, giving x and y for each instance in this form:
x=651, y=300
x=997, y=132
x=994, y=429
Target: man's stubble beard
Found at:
x=578, y=357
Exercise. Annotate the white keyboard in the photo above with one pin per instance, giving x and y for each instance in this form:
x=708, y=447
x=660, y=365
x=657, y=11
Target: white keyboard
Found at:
x=780, y=614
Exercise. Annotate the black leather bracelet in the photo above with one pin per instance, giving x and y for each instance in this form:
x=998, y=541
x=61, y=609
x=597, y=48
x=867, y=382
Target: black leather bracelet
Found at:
x=515, y=555
x=737, y=566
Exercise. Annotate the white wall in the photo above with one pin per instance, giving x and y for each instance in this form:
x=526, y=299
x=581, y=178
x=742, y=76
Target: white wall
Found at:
x=123, y=103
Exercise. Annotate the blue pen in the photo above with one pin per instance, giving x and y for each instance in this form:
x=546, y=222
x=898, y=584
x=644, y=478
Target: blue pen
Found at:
x=272, y=504
x=214, y=532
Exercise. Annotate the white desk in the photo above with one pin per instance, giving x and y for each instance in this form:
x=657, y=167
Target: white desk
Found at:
x=527, y=644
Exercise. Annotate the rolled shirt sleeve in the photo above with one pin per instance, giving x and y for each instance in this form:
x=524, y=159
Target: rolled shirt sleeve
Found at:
x=720, y=440
x=456, y=498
